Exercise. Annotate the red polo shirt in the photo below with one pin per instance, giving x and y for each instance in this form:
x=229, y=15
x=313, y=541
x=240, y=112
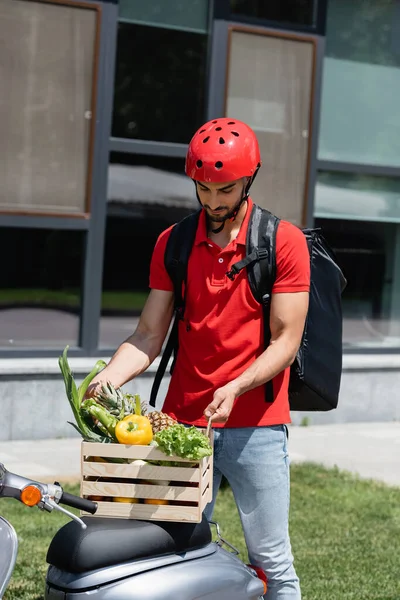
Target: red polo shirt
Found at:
x=222, y=333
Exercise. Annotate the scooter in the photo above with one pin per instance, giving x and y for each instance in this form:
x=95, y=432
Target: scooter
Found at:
x=126, y=559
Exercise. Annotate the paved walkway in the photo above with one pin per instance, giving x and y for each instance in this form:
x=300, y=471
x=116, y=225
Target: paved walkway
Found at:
x=371, y=450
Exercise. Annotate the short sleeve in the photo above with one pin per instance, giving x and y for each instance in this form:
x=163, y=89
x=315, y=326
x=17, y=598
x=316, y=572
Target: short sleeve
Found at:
x=159, y=278
x=292, y=260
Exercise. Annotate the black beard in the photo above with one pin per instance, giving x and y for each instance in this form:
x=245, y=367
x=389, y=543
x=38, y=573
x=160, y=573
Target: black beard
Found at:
x=217, y=219
x=229, y=215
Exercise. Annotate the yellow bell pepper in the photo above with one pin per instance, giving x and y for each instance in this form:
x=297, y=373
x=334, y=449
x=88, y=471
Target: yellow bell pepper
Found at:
x=134, y=429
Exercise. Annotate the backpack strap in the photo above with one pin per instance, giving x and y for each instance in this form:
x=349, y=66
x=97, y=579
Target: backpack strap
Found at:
x=261, y=268
x=176, y=259
x=261, y=235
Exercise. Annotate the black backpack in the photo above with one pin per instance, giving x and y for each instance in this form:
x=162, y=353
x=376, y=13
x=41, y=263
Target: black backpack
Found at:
x=316, y=372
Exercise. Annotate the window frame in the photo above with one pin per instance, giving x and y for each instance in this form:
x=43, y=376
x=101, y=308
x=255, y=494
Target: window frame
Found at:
x=85, y=214
x=316, y=80
x=222, y=10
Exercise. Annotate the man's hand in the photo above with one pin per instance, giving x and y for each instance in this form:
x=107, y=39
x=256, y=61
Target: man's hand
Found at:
x=94, y=388
x=221, y=406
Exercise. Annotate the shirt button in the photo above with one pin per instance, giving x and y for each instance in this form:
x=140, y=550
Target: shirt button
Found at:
x=220, y=260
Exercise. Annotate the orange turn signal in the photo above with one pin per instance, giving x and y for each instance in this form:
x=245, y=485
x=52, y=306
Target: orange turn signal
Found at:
x=31, y=495
x=261, y=575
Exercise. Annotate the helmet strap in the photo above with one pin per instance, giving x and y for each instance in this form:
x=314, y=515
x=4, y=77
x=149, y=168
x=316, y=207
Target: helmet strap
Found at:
x=233, y=214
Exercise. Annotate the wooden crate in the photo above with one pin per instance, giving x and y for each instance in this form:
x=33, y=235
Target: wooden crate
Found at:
x=188, y=492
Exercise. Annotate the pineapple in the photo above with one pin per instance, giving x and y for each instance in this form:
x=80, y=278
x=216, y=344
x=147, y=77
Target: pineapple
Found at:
x=160, y=421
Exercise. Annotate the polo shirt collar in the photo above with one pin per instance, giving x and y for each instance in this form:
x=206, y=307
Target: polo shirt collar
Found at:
x=201, y=233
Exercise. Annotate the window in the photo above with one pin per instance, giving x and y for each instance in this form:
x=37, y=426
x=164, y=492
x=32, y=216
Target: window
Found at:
x=182, y=14
x=40, y=289
x=369, y=254
x=299, y=12
x=270, y=88
x=360, y=215
x=145, y=196
x=360, y=117
x=159, y=83
x=47, y=60
x=356, y=196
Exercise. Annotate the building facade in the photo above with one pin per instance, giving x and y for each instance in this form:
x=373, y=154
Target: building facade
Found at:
x=99, y=102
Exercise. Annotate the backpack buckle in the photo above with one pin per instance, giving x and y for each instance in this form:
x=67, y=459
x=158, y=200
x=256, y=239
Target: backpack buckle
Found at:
x=266, y=298
x=179, y=310
x=233, y=272
x=262, y=253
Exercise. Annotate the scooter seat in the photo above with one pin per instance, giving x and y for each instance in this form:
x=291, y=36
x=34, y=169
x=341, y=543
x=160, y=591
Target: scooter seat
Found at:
x=107, y=542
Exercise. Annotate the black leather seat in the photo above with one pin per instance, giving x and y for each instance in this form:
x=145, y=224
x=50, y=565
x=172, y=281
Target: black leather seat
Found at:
x=108, y=542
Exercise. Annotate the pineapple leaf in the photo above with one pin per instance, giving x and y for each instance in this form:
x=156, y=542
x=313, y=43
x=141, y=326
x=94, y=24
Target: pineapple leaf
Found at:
x=138, y=407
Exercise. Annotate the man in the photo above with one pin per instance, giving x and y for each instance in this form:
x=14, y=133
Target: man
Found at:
x=222, y=366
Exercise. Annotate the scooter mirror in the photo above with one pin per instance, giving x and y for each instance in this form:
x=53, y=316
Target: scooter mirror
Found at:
x=2, y=477
x=8, y=557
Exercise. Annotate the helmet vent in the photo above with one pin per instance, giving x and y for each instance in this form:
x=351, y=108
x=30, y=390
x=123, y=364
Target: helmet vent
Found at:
x=215, y=122
x=202, y=131
x=206, y=139
x=218, y=128
x=221, y=140
x=199, y=164
x=231, y=123
x=219, y=165
x=235, y=133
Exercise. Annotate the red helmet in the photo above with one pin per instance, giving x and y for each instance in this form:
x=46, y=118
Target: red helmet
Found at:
x=223, y=150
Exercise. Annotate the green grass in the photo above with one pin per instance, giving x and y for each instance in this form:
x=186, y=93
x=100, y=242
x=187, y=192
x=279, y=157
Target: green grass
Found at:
x=118, y=300
x=345, y=536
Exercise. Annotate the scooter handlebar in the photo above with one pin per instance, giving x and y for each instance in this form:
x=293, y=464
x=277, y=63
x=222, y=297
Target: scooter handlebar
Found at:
x=79, y=503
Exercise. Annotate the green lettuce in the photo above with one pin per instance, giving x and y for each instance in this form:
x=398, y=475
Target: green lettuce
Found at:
x=185, y=442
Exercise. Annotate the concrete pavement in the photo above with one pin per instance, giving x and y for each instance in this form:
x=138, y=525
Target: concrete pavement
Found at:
x=371, y=450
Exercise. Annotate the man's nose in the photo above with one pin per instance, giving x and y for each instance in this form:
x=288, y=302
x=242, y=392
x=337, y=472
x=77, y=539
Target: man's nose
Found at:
x=213, y=200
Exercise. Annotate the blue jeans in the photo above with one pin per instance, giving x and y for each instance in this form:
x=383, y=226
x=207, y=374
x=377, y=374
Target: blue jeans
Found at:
x=255, y=462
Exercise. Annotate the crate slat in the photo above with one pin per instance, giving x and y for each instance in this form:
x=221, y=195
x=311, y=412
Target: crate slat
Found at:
x=95, y=469
x=148, y=512
x=206, y=496
x=130, y=490
x=127, y=451
x=204, y=465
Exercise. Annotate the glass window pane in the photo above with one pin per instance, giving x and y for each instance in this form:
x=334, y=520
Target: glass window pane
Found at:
x=369, y=254
x=146, y=194
x=159, y=84
x=299, y=12
x=40, y=288
x=184, y=14
x=45, y=107
x=274, y=99
x=355, y=196
x=360, y=117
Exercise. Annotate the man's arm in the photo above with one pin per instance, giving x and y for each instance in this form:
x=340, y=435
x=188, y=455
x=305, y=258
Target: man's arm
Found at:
x=137, y=353
x=287, y=319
